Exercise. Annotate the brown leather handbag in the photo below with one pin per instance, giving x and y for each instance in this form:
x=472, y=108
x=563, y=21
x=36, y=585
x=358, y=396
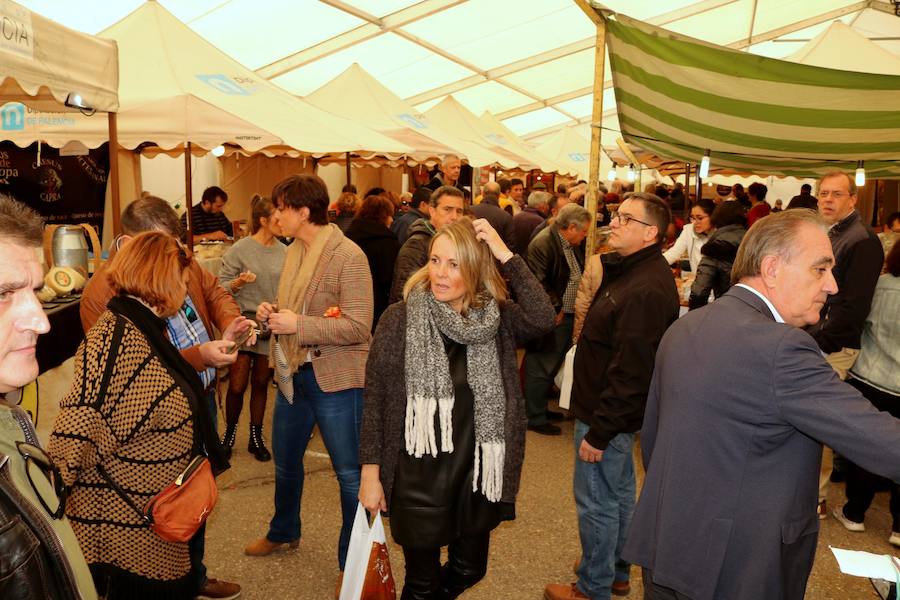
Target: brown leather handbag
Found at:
x=176, y=513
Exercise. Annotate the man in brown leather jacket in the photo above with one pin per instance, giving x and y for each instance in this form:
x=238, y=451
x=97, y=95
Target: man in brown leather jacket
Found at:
x=32, y=508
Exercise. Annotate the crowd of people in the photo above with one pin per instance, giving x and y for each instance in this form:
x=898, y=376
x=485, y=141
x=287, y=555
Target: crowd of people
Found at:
x=421, y=335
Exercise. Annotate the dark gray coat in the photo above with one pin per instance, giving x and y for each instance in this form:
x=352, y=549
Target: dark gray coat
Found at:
x=738, y=409
x=384, y=411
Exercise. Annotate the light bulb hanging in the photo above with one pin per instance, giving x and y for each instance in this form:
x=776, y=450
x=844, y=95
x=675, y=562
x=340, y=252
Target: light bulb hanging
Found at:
x=704, y=165
x=611, y=176
x=218, y=151
x=860, y=173
x=631, y=174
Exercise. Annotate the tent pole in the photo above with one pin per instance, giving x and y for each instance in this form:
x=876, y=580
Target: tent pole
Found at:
x=112, y=119
x=348, y=168
x=188, y=195
x=698, y=183
x=687, y=191
x=596, y=131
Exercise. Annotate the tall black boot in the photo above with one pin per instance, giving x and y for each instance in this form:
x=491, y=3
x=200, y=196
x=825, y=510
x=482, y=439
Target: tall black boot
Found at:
x=257, y=446
x=228, y=440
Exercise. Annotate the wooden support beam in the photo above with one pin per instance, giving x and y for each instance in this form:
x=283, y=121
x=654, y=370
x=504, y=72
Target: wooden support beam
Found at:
x=593, y=190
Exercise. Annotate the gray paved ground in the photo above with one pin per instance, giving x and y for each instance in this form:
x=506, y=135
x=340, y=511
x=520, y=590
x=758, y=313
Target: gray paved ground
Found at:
x=538, y=548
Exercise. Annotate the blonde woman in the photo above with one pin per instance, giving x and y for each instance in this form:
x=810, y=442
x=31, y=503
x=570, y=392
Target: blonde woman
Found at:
x=443, y=434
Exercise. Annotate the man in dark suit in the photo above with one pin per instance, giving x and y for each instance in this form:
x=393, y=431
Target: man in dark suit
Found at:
x=740, y=404
x=489, y=208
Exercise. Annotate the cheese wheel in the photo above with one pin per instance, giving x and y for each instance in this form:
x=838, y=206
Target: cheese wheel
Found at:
x=46, y=294
x=60, y=281
x=77, y=278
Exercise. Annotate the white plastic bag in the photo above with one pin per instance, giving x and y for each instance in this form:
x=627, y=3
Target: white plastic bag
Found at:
x=564, y=378
x=367, y=555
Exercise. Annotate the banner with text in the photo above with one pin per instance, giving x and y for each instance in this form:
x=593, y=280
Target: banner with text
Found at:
x=62, y=189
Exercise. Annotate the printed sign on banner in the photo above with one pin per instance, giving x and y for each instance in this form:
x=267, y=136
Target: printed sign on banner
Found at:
x=16, y=34
x=62, y=189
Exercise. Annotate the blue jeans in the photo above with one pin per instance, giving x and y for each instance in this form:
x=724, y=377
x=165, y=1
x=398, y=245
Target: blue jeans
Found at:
x=604, y=497
x=338, y=415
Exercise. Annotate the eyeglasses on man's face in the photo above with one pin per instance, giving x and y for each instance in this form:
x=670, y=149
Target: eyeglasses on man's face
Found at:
x=38, y=465
x=624, y=219
x=837, y=195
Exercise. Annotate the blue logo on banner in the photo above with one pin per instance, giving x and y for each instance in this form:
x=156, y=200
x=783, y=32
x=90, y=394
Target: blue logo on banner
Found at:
x=224, y=84
x=12, y=116
x=578, y=157
x=497, y=139
x=412, y=121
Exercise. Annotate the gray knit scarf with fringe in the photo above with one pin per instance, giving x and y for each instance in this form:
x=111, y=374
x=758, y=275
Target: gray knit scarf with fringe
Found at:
x=429, y=388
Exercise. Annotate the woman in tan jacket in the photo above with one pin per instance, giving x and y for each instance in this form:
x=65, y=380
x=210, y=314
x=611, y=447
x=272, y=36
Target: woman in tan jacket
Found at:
x=590, y=283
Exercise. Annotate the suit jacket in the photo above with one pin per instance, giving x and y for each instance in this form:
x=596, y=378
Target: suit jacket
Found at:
x=739, y=407
x=339, y=347
x=499, y=219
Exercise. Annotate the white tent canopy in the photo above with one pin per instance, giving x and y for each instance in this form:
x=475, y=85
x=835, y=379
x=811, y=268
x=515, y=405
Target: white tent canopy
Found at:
x=42, y=63
x=528, y=63
x=503, y=134
x=568, y=147
x=175, y=87
x=360, y=96
x=453, y=116
x=842, y=47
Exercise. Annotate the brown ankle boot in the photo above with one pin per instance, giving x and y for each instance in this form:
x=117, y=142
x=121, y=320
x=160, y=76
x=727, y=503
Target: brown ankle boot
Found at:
x=264, y=547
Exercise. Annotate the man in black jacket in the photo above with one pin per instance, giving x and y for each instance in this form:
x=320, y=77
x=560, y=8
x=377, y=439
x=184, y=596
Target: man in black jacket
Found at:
x=635, y=304
x=858, y=258
x=556, y=257
x=418, y=209
x=446, y=206
x=448, y=173
x=41, y=556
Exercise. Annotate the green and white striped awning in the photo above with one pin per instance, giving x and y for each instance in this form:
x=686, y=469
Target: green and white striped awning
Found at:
x=678, y=97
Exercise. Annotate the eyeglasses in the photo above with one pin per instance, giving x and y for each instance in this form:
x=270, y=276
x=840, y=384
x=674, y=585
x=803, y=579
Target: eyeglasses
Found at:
x=626, y=219
x=404, y=203
x=37, y=461
x=835, y=195
x=699, y=217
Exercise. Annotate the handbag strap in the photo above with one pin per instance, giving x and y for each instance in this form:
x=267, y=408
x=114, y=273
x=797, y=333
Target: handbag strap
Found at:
x=147, y=519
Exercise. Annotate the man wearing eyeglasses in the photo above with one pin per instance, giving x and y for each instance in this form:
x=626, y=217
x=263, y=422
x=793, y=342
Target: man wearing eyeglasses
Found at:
x=635, y=304
x=858, y=257
x=32, y=500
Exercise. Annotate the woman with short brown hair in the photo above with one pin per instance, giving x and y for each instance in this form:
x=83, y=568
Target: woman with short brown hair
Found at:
x=136, y=413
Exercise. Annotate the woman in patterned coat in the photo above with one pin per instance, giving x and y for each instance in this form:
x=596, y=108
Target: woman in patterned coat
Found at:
x=135, y=409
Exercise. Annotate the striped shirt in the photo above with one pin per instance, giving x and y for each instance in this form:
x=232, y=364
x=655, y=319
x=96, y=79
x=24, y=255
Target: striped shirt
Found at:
x=186, y=329
x=206, y=222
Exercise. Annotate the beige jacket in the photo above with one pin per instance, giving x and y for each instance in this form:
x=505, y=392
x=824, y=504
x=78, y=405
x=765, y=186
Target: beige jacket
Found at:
x=590, y=283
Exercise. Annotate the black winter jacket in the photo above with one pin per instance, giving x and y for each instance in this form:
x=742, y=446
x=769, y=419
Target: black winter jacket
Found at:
x=858, y=257
x=412, y=256
x=546, y=260
x=380, y=246
x=635, y=304
x=714, y=270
